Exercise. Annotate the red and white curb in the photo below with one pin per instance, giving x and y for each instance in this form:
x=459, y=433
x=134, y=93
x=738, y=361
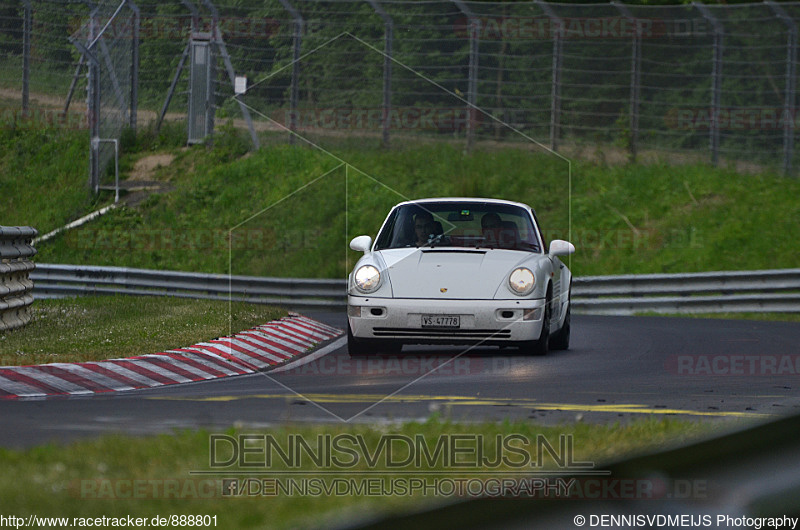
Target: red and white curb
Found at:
x=253, y=350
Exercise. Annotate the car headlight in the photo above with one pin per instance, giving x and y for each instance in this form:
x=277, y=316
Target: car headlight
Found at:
x=521, y=281
x=367, y=278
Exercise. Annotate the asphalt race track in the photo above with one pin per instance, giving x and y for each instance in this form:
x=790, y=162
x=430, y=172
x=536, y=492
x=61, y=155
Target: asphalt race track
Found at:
x=617, y=368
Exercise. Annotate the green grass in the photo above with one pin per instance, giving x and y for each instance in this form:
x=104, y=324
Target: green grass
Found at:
x=65, y=481
x=44, y=176
x=47, y=78
x=104, y=327
x=293, y=211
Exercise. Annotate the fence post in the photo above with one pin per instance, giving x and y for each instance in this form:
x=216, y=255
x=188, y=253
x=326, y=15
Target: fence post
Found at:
x=185, y=55
x=791, y=85
x=93, y=105
x=134, y=104
x=296, y=45
x=27, y=24
x=716, y=73
x=472, y=85
x=172, y=86
x=636, y=66
x=73, y=84
x=555, y=92
x=217, y=37
x=388, y=38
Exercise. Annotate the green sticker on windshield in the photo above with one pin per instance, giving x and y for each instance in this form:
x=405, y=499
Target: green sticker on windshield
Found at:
x=465, y=212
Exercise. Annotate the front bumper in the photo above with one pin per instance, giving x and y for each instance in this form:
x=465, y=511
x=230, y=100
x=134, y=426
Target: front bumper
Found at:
x=484, y=321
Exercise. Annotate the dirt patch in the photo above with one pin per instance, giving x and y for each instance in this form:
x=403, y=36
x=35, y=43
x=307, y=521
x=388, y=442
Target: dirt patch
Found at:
x=142, y=181
x=44, y=100
x=145, y=167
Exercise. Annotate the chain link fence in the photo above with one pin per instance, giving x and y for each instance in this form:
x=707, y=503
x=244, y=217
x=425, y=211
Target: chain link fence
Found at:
x=712, y=83
x=108, y=43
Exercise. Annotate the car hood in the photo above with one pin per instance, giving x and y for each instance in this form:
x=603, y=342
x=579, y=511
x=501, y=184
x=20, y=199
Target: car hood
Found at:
x=447, y=273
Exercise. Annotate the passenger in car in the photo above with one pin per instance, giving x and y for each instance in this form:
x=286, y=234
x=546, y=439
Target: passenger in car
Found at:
x=490, y=221
x=491, y=225
x=509, y=235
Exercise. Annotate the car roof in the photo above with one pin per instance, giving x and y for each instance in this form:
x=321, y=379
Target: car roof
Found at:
x=463, y=199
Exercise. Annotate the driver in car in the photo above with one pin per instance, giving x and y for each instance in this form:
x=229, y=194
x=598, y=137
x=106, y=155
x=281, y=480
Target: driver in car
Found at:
x=424, y=228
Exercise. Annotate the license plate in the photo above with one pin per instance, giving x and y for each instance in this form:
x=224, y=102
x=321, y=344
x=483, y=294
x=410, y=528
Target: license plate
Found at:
x=441, y=321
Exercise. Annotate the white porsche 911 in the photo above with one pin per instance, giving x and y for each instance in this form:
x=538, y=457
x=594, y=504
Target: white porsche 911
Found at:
x=459, y=271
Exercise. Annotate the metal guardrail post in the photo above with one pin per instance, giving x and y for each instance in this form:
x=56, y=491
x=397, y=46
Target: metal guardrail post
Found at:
x=555, y=92
x=716, y=80
x=388, y=41
x=791, y=84
x=16, y=285
x=297, y=42
x=636, y=69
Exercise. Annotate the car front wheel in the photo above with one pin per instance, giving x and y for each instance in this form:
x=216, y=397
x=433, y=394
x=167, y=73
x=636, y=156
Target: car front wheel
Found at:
x=560, y=339
x=542, y=344
x=357, y=347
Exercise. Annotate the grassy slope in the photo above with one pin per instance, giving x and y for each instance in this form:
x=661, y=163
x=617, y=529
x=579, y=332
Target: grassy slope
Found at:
x=43, y=176
x=625, y=219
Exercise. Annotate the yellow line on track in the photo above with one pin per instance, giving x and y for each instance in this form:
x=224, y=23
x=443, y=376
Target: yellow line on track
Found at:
x=628, y=408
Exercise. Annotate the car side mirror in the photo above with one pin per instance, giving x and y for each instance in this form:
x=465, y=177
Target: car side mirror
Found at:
x=559, y=247
x=361, y=244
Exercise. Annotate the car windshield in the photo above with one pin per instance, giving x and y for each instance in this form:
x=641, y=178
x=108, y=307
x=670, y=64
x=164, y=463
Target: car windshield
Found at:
x=459, y=224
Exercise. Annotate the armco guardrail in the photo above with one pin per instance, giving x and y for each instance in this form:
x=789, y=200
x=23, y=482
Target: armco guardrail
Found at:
x=16, y=287
x=756, y=291
x=705, y=292
x=57, y=281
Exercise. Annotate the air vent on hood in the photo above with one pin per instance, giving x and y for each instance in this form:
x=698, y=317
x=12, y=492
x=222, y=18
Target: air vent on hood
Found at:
x=454, y=250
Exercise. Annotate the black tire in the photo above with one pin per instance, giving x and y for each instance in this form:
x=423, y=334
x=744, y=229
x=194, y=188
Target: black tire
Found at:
x=560, y=339
x=360, y=347
x=356, y=347
x=540, y=346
